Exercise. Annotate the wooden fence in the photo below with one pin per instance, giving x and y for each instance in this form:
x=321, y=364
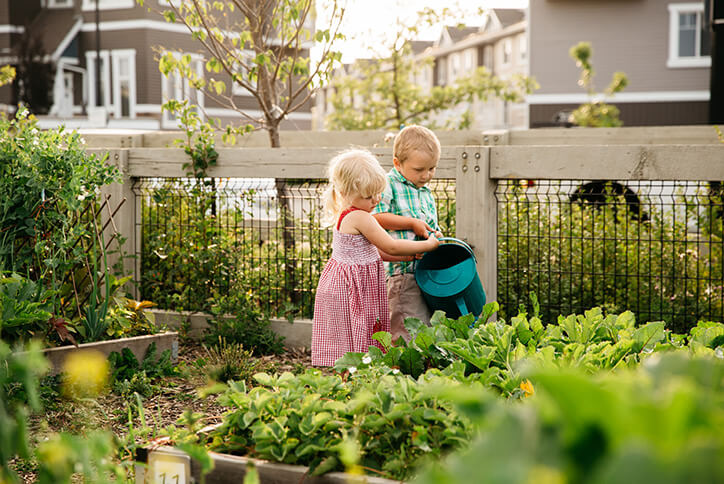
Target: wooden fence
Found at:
x=662, y=153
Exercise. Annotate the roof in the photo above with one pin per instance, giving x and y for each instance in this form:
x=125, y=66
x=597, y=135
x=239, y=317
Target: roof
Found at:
x=509, y=16
x=459, y=33
x=418, y=46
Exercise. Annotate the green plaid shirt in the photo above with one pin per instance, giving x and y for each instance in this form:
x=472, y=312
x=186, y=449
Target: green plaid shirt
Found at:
x=401, y=197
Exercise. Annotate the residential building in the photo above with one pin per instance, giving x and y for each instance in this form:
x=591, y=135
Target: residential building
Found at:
x=660, y=45
x=131, y=88
x=499, y=44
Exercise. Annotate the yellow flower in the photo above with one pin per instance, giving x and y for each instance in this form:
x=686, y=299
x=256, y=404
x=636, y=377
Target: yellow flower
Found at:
x=527, y=388
x=85, y=374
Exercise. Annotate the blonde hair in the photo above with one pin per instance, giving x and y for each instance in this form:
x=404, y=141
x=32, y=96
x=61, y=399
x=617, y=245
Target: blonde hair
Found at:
x=415, y=138
x=352, y=172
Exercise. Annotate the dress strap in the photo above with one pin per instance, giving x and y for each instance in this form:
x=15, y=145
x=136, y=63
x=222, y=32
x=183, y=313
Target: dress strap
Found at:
x=344, y=214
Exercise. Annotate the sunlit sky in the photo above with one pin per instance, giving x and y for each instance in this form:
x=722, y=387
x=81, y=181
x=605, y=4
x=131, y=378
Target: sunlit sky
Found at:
x=367, y=22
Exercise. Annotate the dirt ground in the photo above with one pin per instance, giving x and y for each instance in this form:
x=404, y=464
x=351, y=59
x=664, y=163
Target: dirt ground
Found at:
x=172, y=397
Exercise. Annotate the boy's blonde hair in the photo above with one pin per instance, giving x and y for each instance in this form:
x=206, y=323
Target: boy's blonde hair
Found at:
x=415, y=138
x=352, y=172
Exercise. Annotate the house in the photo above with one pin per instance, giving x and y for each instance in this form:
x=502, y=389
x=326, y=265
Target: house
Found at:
x=660, y=45
x=125, y=59
x=499, y=44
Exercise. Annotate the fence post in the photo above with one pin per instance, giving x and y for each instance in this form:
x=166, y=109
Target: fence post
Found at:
x=124, y=218
x=476, y=212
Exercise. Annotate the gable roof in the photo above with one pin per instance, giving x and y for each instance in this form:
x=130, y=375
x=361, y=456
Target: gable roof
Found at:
x=509, y=16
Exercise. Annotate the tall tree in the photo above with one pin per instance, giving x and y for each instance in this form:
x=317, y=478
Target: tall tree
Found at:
x=382, y=92
x=261, y=46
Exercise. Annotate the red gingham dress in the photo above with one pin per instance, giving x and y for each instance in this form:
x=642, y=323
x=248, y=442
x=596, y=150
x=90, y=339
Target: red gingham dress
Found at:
x=351, y=303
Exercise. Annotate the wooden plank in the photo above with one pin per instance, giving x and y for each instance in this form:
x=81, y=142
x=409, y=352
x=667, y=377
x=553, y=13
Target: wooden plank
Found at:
x=475, y=214
x=288, y=139
x=260, y=162
x=604, y=162
x=625, y=135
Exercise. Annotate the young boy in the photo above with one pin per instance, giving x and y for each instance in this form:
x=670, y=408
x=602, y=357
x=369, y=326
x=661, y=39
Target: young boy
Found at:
x=407, y=210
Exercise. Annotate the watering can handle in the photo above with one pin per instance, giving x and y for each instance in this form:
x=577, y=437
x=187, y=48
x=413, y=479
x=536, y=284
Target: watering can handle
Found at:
x=459, y=242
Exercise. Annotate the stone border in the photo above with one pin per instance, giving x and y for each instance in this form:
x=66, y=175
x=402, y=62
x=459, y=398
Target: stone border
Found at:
x=137, y=344
x=297, y=334
x=230, y=468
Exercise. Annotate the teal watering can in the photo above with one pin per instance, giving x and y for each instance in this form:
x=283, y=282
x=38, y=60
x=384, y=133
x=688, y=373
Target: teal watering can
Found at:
x=448, y=279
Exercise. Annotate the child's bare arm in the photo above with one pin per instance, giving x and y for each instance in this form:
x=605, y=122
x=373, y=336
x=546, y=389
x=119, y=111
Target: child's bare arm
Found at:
x=395, y=258
x=391, y=221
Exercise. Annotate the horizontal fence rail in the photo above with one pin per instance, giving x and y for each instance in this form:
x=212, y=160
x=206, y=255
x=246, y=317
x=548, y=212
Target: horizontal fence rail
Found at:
x=514, y=204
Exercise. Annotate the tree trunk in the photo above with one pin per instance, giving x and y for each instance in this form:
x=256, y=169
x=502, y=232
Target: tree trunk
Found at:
x=286, y=216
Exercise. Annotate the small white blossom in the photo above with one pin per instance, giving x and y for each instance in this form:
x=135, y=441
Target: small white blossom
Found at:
x=395, y=371
x=366, y=360
x=81, y=197
x=352, y=369
x=719, y=353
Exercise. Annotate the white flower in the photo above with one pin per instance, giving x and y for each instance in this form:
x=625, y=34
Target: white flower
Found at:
x=366, y=360
x=719, y=353
x=352, y=369
x=395, y=371
x=81, y=197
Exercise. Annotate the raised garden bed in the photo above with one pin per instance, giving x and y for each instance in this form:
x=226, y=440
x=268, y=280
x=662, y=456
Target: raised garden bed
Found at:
x=137, y=344
x=228, y=468
x=296, y=335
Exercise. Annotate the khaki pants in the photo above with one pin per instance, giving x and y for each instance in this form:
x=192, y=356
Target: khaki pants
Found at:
x=406, y=301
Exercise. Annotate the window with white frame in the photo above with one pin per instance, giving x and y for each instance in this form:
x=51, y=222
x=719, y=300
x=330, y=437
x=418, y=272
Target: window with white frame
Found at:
x=441, y=70
x=522, y=48
x=124, y=82
x=105, y=78
x=175, y=86
x=454, y=66
x=689, y=42
x=469, y=61
x=507, y=51
x=108, y=4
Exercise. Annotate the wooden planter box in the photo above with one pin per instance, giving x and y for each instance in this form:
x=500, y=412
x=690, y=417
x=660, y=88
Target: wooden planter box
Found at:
x=296, y=335
x=178, y=468
x=137, y=344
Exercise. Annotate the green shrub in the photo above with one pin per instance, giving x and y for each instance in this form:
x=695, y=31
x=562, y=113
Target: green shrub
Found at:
x=129, y=375
x=230, y=361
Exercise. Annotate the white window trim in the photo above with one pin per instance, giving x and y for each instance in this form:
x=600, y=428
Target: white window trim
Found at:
x=89, y=5
x=60, y=4
x=90, y=63
x=674, y=61
x=116, y=56
x=181, y=90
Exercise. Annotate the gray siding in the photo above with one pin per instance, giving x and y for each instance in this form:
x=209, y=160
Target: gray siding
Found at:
x=627, y=35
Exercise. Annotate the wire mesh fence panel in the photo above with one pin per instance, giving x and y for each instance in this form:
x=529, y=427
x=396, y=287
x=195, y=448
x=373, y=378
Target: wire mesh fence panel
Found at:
x=261, y=239
x=652, y=247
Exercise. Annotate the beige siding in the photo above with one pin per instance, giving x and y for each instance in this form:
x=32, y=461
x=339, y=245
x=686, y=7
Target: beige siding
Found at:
x=629, y=36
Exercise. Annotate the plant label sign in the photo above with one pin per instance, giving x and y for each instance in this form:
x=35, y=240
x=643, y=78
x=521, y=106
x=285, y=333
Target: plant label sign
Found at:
x=164, y=468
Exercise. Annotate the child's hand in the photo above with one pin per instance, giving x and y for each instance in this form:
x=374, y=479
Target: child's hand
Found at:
x=432, y=243
x=421, y=228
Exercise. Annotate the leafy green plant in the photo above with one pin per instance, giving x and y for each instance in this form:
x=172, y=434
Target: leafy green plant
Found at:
x=306, y=419
x=595, y=113
x=24, y=308
x=124, y=366
x=59, y=457
x=230, y=361
x=129, y=317
x=236, y=321
x=658, y=422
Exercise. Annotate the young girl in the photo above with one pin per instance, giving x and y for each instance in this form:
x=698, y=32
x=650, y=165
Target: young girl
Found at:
x=351, y=303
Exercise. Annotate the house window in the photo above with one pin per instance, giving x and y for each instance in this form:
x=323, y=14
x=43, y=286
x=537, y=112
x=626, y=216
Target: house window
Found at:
x=124, y=83
x=507, y=51
x=689, y=42
x=441, y=71
x=522, y=48
x=105, y=93
x=174, y=86
x=454, y=66
x=488, y=57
